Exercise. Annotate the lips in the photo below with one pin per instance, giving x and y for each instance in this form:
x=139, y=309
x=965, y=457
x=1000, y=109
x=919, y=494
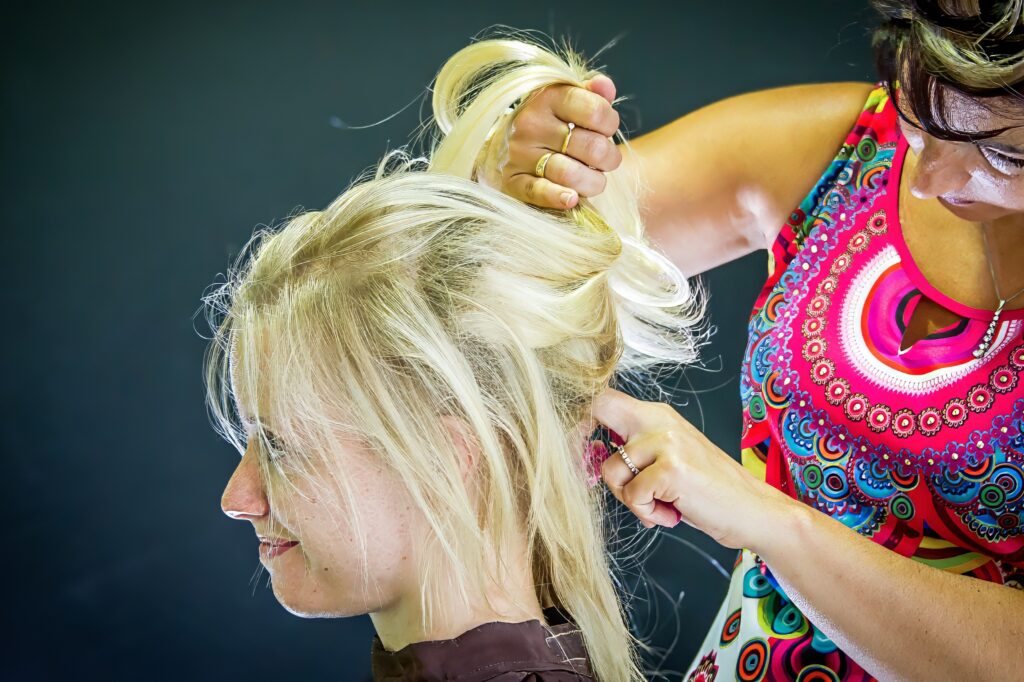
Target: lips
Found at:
x=955, y=201
x=273, y=547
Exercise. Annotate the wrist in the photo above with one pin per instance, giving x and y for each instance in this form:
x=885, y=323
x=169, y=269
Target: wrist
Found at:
x=785, y=523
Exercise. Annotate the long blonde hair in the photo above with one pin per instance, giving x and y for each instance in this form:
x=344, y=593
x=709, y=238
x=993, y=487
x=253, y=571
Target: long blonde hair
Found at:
x=419, y=293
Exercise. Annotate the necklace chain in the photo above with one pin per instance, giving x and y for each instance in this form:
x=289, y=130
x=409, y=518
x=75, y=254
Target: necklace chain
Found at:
x=986, y=342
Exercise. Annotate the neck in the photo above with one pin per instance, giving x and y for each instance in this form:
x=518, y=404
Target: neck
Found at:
x=512, y=600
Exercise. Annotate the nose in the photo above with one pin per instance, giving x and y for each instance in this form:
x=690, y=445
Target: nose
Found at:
x=942, y=168
x=243, y=497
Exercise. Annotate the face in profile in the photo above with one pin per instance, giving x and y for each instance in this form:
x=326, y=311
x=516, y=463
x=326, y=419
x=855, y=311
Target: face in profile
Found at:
x=324, y=558
x=978, y=181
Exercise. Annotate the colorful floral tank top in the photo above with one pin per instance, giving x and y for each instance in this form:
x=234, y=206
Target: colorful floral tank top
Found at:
x=920, y=449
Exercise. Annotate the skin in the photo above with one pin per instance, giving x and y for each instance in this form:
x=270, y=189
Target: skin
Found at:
x=328, y=574
x=721, y=188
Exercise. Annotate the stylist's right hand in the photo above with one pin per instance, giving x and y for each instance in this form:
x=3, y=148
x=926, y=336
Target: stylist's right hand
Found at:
x=541, y=126
x=680, y=467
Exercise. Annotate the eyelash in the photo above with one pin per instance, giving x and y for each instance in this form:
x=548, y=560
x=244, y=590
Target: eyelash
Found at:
x=1001, y=162
x=275, y=449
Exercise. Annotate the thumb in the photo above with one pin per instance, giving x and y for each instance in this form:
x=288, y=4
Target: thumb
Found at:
x=665, y=514
x=602, y=85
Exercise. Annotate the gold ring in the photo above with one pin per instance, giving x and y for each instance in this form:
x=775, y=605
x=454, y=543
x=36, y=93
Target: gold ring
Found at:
x=568, y=136
x=542, y=163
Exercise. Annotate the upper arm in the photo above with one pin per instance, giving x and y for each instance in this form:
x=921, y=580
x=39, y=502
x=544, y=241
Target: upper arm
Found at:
x=722, y=180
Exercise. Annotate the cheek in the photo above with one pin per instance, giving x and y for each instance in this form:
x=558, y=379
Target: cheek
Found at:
x=350, y=561
x=999, y=190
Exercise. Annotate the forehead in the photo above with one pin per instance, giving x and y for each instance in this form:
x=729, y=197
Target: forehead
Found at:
x=246, y=359
x=983, y=116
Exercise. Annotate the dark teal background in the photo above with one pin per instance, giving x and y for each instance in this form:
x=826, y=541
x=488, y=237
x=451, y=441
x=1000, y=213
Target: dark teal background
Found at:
x=141, y=144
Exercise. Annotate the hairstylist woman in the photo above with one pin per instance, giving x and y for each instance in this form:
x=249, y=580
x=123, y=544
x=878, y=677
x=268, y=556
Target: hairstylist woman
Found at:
x=880, y=505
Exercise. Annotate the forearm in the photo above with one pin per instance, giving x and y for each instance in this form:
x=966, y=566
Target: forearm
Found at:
x=895, y=616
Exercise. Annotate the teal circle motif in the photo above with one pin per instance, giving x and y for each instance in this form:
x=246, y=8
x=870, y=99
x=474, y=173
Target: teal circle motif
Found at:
x=812, y=476
x=867, y=148
x=788, y=620
x=992, y=496
x=902, y=508
x=755, y=584
x=756, y=407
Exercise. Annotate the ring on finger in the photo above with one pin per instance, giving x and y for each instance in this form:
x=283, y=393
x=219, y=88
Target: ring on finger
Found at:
x=542, y=163
x=621, y=451
x=568, y=136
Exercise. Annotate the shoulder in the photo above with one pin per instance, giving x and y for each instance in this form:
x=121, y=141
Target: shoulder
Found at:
x=812, y=101
x=800, y=130
x=738, y=167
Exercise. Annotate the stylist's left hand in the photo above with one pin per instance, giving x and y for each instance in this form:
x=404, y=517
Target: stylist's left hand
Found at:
x=681, y=468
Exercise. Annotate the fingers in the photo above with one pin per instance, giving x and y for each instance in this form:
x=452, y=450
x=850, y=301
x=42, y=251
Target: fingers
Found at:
x=602, y=85
x=628, y=416
x=651, y=495
x=540, y=191
x=562, y=170
x=541, y=126
x=591, y=149
x=588, y=110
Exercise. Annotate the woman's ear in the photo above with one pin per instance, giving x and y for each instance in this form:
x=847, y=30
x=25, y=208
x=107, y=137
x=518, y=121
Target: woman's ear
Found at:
x=466, y=445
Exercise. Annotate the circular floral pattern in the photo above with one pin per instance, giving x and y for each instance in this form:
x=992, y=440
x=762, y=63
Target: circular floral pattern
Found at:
x=822, y=371
x=812, y=327
x=753, y=661
x=979, y=398
x=856, y=407
x=1003, y=380
x=929, y=421
x=904, y=423
x=878, y=223
x=837, y=391
x=954, y=413
x=883, y=457
x=879, y=418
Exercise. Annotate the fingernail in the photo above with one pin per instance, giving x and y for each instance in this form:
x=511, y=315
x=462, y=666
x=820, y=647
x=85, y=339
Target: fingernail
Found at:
x=567, y=198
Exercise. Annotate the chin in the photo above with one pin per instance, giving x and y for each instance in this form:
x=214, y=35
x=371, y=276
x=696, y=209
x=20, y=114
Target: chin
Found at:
x=305, y=596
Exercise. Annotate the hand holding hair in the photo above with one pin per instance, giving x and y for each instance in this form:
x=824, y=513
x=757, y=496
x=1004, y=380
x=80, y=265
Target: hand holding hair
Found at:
x=577, y=156
x=684, y=476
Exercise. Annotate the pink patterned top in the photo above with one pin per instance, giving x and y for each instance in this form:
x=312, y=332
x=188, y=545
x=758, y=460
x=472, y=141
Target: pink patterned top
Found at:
x=921, y=451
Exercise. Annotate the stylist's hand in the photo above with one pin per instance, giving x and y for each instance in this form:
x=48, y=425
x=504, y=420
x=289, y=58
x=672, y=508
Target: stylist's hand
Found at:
x=540, y=126
x=681, y=468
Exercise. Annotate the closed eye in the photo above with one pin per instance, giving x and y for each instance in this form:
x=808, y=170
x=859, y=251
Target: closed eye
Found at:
x=275, y=447
x=1000, y=161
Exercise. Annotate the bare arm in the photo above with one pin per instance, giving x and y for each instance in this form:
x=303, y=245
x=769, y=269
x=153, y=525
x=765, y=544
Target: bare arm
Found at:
x=720, y=181
x=723, y=179
x=896, y=617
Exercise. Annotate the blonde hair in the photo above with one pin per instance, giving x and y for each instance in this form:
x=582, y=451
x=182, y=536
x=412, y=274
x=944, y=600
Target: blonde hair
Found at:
x=419, y=293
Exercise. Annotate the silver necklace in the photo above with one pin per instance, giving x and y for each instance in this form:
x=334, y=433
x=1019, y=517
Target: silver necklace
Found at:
x=986, y=342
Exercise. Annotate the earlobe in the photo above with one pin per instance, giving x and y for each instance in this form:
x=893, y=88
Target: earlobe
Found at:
x=466, y=446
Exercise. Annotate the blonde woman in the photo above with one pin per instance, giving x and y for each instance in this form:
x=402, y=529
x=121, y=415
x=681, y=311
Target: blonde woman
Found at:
x=409, y=375
x=881, y=508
